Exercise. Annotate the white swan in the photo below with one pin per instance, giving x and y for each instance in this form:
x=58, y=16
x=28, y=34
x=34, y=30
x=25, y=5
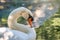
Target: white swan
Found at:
x=18, y=31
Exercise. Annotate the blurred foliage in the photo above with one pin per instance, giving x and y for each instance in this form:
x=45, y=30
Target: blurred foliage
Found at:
x=50, y=30
x=22, y=20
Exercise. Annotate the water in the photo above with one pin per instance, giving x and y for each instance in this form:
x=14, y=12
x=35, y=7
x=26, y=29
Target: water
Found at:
x=44, y=12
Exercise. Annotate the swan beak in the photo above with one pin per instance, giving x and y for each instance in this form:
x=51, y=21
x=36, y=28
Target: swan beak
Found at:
x=30, y=21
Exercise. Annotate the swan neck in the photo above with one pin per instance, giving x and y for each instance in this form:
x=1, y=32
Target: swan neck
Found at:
x=14, y=15
x=12, y=21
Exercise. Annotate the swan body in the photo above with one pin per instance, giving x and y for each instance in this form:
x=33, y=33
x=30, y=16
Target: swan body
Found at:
x=18, y=31
x=8, y=34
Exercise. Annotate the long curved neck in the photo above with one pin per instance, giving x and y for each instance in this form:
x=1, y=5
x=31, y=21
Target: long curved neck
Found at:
x=12, y=20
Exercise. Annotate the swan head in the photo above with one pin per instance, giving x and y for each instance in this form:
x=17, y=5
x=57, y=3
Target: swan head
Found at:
x=30, y=20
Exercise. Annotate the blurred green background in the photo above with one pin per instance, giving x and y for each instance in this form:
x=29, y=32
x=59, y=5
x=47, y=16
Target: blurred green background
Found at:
x=50, y=30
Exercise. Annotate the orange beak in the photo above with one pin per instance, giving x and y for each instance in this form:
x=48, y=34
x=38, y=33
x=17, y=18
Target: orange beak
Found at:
x=30, y=21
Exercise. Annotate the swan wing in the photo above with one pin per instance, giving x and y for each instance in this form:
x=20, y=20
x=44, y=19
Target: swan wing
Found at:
x=7, y=34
